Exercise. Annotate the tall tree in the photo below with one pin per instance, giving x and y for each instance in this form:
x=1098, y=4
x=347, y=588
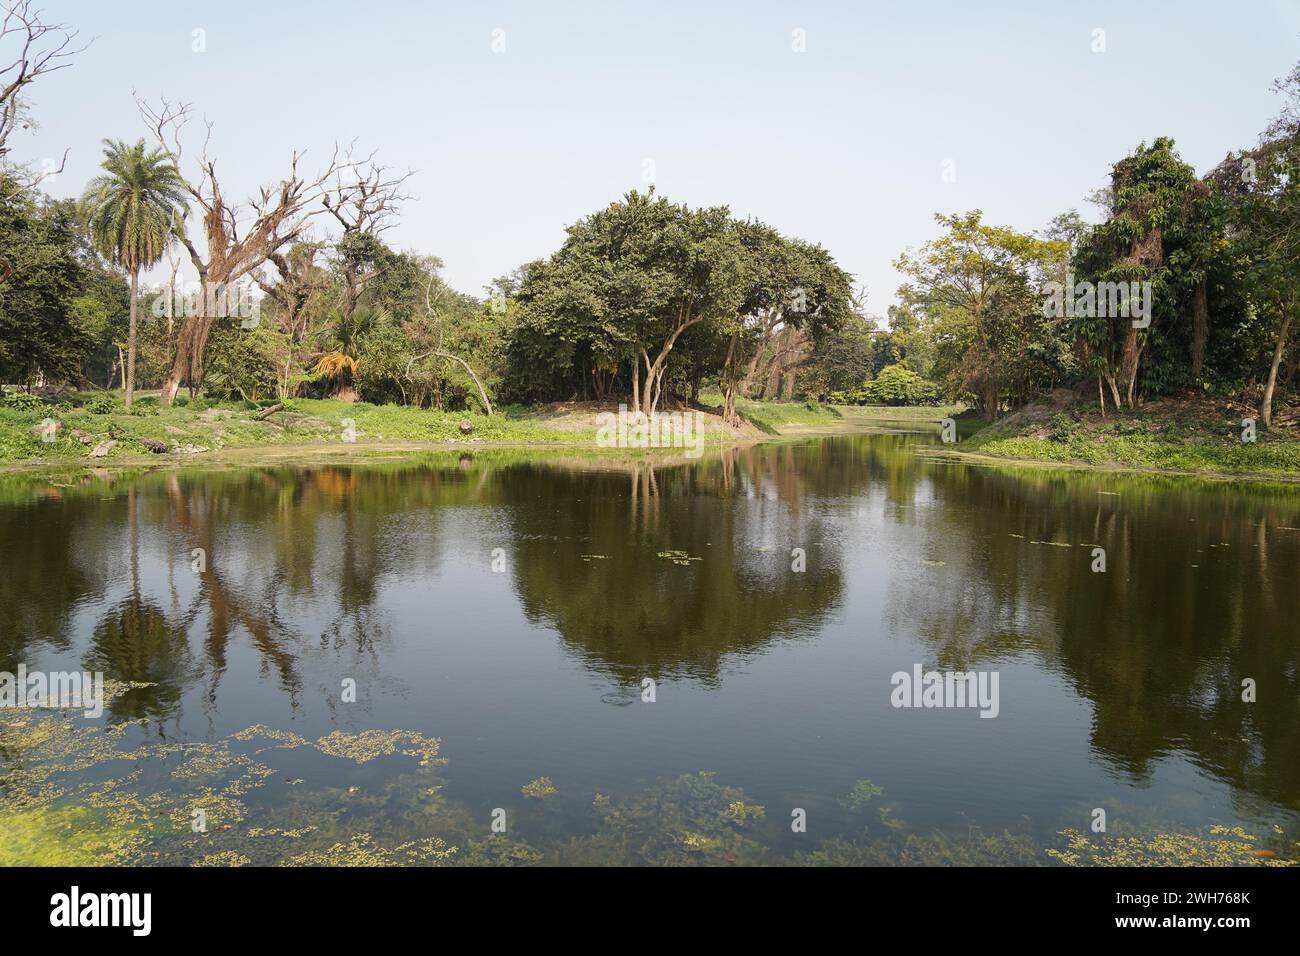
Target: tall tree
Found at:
x=794, y=293
x=628, y=283
x=238, y=239
x=1154, y=215
x=39, y=336
x=1262, y=193
x=975, y=287
x=132, y=212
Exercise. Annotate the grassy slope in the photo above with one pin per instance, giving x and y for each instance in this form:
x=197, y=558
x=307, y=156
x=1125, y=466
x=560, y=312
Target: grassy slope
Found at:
x=232, y=425
x=319, y=424
x=1190, y=435
x=771, y=417
x=810, y=417
x=1198, y=435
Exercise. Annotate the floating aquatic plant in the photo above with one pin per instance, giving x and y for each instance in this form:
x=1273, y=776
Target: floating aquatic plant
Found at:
x=539, y=789
x=1220, y=846
x=680, y=557
x=863, y=792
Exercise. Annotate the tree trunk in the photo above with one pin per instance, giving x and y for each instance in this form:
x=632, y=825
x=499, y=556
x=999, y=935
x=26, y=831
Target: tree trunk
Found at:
x=655, y=370
x=770, y=322
x=130, y=337
x=187, y=361
x=482, y=392
x=180, y=367
x=647, y=387
x=1128, y=365
x=1147, y=251
x=1266, y=404
x=636, y=385
x=729, y=391
x=1200, y=328
x=772, y=386
x=991, y=402
x=1114, y=390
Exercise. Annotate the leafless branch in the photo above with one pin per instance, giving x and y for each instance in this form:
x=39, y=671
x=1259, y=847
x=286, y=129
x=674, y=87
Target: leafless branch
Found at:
x=38, y=48
x=41, y=48
x=365, y=196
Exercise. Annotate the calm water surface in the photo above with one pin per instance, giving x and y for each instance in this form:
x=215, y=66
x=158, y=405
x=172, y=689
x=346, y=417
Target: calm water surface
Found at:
x=512, y=608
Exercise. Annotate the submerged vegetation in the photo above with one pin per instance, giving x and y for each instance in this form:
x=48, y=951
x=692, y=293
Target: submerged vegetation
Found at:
x=80, y=794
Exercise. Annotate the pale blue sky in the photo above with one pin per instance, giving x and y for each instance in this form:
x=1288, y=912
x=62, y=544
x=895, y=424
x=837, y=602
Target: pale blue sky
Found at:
x=843, y=144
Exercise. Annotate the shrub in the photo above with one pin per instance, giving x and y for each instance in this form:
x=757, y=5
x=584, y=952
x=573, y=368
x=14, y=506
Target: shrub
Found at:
x=23, y=402
x=899, y=385
x=101, y=406
x=1062, y=427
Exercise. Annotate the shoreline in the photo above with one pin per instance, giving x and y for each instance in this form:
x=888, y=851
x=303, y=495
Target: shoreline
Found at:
x=850, y=422
x=1119, y=468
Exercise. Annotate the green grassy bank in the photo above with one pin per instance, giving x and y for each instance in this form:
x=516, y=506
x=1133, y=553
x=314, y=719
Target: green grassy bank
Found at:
x=1195, y=436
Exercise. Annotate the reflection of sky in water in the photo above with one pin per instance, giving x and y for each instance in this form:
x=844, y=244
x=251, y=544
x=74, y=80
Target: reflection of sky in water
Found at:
x=1115, y=688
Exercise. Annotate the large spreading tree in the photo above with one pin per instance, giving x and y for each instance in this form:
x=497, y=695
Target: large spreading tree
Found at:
x=646, y=286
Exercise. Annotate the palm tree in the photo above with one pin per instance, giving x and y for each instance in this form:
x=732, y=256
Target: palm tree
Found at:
x=338, y=366
x=132, y=212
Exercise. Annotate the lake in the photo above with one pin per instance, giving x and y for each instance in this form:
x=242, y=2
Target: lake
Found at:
x=507, y=657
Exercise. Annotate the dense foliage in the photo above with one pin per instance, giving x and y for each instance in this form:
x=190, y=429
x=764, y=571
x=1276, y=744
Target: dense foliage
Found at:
x=1187, y=285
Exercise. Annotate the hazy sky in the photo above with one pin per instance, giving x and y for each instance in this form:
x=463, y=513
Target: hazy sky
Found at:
x=843, y=144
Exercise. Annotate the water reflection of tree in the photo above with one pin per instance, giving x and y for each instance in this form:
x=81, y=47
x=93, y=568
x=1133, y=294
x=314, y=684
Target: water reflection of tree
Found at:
x=197, y=512
x=135, y=642
x=1157, y=646
x=49, y=554
x=1194, y=599
x=654, y=570
x=280, y=547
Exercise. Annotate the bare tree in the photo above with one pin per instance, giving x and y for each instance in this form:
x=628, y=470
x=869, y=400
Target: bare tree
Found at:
x=239, y=238
x=363, y=199
x=39, y=48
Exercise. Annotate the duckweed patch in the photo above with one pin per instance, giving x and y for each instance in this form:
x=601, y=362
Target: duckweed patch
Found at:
x=1218, y=846
x=539, y=789
x=368, y=744
x=74, y=793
